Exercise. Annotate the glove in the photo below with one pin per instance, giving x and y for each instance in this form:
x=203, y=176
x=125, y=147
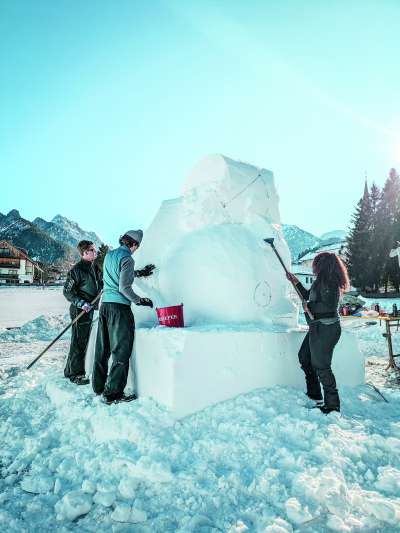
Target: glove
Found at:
x=87, y=307
x=146, y=271
x=146, y=302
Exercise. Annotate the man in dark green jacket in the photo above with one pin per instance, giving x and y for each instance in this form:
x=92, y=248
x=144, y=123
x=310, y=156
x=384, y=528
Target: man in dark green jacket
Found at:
x=83, y=284
x=116, y=331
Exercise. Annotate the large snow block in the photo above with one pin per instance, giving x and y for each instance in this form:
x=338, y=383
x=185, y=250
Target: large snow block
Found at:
x=189, y=369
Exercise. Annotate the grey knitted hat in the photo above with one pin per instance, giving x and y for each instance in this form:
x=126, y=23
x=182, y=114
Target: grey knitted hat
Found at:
x=135, y=234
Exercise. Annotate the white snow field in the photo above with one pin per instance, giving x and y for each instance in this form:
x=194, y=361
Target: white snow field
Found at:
x=259, y=462
x=19, y=305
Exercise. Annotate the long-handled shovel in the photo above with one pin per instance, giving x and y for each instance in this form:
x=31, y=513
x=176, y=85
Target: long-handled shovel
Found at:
x=62, y=333
x=303, y=301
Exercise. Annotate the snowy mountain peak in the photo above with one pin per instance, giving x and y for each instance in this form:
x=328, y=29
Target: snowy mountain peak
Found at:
x=14, y=213
x=73, y=229
x=60, y=220
x=50, y=242
x=335, y=234
x=300, y=240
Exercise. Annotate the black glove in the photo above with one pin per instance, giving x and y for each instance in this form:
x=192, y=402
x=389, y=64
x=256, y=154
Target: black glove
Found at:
x=145, y=272
x=146, y=302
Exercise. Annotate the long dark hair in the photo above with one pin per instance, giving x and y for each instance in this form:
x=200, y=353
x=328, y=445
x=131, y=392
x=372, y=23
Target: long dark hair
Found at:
x=330, y=270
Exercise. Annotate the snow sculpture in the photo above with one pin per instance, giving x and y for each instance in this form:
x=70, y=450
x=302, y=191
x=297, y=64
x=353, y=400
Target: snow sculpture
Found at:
x=208, y=246
x=243, y=332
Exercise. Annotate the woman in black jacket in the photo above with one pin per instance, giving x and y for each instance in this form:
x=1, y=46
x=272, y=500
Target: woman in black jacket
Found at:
x=316, y=351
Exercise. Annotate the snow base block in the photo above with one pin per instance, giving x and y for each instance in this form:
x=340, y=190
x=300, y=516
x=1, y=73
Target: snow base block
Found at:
x=190, y=369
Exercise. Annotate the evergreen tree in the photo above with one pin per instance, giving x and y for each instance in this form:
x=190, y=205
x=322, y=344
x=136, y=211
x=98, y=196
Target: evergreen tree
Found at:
x=101, y=255
x=389, y=233
x=375, y=264
x=358, y=242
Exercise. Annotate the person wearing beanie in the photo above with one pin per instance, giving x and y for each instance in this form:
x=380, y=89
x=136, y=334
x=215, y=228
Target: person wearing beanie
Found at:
x=116, y=328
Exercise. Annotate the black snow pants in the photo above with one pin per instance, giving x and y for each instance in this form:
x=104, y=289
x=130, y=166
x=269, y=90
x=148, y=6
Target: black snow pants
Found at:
x=115, y=337
x=75, y=365
x=315, y=358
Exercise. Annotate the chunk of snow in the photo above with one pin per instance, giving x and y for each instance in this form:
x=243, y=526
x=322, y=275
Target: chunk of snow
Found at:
x=137, y=516
x=106, y=499
x=73, y=504
x=279, y=526
x=388, y=480
x=88, y=486
x=37, y=484
x=127, y=487
x=121, y=513
x=295, y=512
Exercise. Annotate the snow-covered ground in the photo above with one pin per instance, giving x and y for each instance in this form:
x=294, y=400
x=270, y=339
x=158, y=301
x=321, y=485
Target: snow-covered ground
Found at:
x=18, y=305
x=260, y=462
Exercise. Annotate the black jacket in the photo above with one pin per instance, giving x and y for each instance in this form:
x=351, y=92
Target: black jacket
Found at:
x=323, y=300
x=84, y=282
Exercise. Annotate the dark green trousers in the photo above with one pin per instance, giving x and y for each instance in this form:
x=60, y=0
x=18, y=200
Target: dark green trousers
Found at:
x=115, y=336
x=315, y=358
x=79, y=340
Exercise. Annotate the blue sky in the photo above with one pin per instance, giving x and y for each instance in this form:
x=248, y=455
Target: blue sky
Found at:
x=106, y=105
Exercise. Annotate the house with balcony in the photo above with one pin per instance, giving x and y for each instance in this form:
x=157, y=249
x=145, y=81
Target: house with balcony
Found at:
x=16, y=267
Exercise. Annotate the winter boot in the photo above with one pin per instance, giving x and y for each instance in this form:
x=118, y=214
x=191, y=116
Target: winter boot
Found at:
x=108, y=400
x=313, y=403
x=127, y=398
x=80, y=380
x=326, y=410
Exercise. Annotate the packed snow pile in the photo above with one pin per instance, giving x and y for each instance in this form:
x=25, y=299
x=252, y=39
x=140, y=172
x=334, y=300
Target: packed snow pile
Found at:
x=42, y=328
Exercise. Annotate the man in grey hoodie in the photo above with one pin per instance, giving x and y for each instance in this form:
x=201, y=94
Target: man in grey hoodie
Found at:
x=116, y=329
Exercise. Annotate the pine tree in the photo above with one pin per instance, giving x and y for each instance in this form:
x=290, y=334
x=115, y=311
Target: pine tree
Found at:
x=375, y=264
x=101, y=255
x=358, y=242
x=389, y=228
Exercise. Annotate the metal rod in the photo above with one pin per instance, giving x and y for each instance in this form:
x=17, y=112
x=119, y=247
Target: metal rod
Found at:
x=62, y=333
x=392, y=363
x=303, y=301
x=377, y=390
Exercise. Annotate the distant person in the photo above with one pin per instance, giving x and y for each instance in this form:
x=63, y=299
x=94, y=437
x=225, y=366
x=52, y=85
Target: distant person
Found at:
x=316, y=351
x=83, y=284
x=116, y=329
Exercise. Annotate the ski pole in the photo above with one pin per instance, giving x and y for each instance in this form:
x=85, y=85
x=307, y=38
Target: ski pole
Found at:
x=303, y=301
x=62, y=333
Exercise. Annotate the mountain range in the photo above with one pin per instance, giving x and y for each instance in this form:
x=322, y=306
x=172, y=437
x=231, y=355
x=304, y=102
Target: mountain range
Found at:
x=55, y=241
x=49, y=242
x=300, y=240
